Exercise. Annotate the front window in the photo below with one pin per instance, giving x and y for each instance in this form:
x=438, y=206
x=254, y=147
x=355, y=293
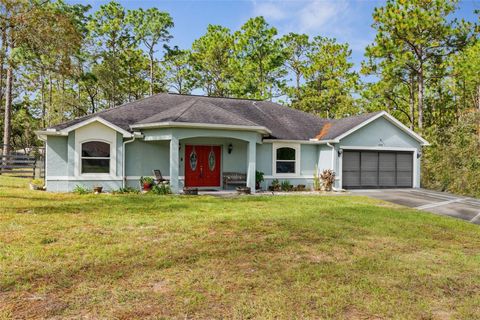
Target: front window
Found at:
x=95, y=157
x=285, y=161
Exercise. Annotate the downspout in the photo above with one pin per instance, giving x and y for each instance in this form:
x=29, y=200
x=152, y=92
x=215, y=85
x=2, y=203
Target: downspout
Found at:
x=124, y=176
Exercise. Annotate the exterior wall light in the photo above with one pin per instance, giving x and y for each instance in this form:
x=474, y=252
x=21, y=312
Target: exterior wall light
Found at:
x=339, y=152
x=230, y=148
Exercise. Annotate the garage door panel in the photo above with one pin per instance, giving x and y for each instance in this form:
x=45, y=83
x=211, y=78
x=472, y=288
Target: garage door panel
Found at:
x=352, y=178
x=369, y=161
x=404, y=162
x=387, y=161
x=404, y=179
x=351, y=161
x=386, y=178
x=369, y=178
x=377, y=169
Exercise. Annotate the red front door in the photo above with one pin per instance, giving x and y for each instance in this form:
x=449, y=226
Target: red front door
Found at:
x=202, y=166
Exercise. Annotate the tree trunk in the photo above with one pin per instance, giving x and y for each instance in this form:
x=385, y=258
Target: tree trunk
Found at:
x=7, y=125
x=2, y=61
x=150, y=54
x=412, y=102
x=420, y=97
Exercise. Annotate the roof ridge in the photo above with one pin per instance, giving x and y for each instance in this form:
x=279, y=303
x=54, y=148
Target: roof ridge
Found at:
x=192, y=102
x=213, y=97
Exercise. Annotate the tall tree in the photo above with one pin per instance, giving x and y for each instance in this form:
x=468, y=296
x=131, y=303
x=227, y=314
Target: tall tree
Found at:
x=417, y=36
x=109, y=32
x=211, y=56
x=296, y=47
x=150, y=27
x=179, y=72
x=258, y=61
x=330, y=81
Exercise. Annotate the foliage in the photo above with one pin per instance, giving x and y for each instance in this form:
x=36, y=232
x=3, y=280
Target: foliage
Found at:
x=258, y=64
x=79, y=189
x=126, y=190
x=211, y=58
x=39, y=183
x=452, y=162
x=286, y=185
x=330, y=81
x=259, y=176
x=161, y=189
x=327, y=178
x=275, y=185
x=147, y=180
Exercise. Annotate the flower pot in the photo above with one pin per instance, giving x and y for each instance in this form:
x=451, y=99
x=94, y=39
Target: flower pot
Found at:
x=97, y=190
x=147, y=187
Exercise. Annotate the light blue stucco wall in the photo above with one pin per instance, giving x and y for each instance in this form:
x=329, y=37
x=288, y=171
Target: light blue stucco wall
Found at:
x=370, y=135
x=392, y=137
x=264, y=158
x=142, y=157
x=57, y=156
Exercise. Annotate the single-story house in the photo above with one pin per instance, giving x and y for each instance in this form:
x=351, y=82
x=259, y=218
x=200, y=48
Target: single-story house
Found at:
x=195, y=141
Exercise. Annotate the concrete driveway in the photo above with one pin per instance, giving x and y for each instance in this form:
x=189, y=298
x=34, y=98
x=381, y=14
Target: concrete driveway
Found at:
x=432, y=201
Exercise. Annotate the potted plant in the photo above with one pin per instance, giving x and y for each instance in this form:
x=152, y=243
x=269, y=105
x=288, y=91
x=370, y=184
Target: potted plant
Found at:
x=258, y=179
x=97, y=189
x=37, y=184
x=328, y=178
x=147, y=183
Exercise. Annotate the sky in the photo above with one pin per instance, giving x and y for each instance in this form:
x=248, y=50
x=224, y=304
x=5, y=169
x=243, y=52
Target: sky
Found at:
x=347, y=21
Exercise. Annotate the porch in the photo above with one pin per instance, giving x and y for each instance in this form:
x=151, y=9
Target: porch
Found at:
x=193, y=158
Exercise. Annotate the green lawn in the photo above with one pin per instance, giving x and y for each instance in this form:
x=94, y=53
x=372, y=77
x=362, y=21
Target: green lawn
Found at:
x=145, y=256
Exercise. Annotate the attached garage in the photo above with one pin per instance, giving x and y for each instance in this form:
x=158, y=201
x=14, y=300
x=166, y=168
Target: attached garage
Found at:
x=377, y=169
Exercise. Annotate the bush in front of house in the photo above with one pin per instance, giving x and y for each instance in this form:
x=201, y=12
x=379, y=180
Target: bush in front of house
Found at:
x=327, y=178
x=286, y=185
x=81, y=190
x=161, y=189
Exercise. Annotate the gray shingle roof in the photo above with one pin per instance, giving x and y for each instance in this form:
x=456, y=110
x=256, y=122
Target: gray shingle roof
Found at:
x=283, y=122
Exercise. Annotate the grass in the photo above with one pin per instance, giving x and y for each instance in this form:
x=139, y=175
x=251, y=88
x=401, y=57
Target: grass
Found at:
x=146, y=256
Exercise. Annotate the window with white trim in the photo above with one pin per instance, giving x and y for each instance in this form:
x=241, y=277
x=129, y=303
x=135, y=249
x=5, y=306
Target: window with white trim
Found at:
x=95, y=157
x=286, y=159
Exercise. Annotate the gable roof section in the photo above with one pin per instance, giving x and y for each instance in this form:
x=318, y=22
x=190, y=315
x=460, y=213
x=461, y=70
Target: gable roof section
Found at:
x=271, y=119
x=86, y=121
x=342, y=128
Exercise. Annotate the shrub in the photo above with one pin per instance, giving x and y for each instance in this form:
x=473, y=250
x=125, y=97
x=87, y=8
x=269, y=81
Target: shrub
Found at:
x=81, y=190
x=161, y=189
x=328, y=178
x=286, y=186
x=126, y=190
x=275, y=186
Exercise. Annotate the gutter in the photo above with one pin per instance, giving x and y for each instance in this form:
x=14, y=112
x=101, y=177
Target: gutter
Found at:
x=124, y=176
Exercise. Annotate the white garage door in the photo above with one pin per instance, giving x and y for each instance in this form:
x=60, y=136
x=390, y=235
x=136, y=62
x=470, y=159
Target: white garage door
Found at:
x=377, y=169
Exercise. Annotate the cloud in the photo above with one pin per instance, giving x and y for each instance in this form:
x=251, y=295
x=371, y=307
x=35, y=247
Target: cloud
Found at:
x=316, y=15
x=270, y=10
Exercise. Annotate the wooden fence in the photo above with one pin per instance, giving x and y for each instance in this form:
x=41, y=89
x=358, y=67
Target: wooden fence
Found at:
x=21, y=165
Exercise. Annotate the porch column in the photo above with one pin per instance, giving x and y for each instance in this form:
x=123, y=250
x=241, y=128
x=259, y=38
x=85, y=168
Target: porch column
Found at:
x=174, y=164
x=251, y=161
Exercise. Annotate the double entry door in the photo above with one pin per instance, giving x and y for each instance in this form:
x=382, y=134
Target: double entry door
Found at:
x=202, y=166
